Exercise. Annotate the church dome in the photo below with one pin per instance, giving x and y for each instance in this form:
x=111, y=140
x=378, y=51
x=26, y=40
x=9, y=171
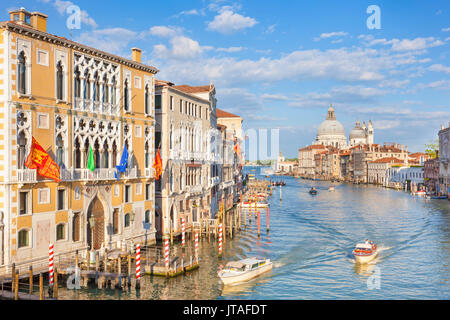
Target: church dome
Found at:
x=331, y=127
x=357, y=132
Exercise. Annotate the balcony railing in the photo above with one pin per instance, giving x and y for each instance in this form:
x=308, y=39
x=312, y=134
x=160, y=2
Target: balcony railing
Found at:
x=97, y=174
x=25, y=176
x=194, y=189
x=149, y=172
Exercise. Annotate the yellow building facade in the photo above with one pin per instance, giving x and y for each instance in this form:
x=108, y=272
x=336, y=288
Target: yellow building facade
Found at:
x=72, y=98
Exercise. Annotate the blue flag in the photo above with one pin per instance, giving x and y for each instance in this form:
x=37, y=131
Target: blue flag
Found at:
x=123, y=162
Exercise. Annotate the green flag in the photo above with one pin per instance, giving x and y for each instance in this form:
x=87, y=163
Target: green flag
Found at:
x=91, y=162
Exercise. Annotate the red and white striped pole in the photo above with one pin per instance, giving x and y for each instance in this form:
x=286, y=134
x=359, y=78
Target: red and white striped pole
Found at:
x=138, y=266
x=220, y=240
x=166, y=252
x=50, y=264
x=182, y=232
x=259, y=230
x=196, y=246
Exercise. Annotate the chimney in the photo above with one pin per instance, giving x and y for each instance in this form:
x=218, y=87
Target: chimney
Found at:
x=136, y=54
x=406, y=148
x=403, y=147
x=39, y=21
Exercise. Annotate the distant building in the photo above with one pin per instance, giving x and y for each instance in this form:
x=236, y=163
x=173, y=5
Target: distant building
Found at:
x=431, y=175
x=361, y=134
x=377, y=170
x=331, y=132
x=306, y=164
x=444, y=160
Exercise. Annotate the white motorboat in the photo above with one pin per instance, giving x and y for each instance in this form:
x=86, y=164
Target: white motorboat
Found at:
x=331, y=188
x=365, y=252
x=420, y=193
x=244, y=270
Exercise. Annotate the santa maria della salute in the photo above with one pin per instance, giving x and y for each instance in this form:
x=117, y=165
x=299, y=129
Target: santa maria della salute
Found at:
x=332, y=133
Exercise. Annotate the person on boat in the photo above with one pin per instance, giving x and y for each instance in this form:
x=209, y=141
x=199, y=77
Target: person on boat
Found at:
x=367, y=241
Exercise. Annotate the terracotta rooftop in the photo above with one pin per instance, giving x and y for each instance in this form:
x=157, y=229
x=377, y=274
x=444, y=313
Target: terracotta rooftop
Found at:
x=189, y=89
x=221, y=127
x=388, y=160
x=224, y=114
x=163, y=83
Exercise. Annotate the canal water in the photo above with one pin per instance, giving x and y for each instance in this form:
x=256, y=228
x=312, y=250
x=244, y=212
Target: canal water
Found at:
x=310, y=243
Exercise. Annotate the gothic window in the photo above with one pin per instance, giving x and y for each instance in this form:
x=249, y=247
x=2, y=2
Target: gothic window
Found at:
x=114, y=155
x=22, y=70
x=125, y=96
x=86, y=153
x=22, y=150
x=77, y=83
x=147, y=155
x=96, y=87
x=105, y=156
x=60, y=151
x=59, y=81
x=147, y=100
x=113, y=90
x=96, y=152
x=87, y=86
x=77, y=154
x=105, y=98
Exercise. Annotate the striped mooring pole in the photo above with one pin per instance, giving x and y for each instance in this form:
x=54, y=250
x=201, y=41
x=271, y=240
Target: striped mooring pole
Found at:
x=196, y=246
x=138, y=266
x=50, y=269
x=166, y=252
x=182, y=232
x=220, y=240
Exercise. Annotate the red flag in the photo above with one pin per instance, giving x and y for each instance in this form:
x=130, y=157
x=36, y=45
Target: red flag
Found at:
x=237, y=149
x=40, y=160
x=158, y=165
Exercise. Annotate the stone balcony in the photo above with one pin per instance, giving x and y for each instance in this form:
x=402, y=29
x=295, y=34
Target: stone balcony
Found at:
x=194, y=189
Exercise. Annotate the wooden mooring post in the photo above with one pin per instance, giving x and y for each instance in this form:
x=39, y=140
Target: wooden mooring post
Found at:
x=30, y=280
x=55, y=290
x=41, y=286
x=13, y=276
x=16, y=286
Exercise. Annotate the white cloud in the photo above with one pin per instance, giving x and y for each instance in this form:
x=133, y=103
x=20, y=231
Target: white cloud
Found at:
x=268, y=96
x=231, y=49
x=228, y=22
x=181, y=48
x=331, y=35
x=445, y=29
x=164, y=31
x=439, y=68
x=386, y=124
x=113, y=40
x=404, y=44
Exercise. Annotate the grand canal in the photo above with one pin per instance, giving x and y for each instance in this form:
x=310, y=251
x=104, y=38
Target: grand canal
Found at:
x=310, y=243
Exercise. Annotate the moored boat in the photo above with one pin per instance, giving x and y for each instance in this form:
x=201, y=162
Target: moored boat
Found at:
x=420, y=193
x=244, y=270
x=365, y=252
x=331, y=188
x=313, y=191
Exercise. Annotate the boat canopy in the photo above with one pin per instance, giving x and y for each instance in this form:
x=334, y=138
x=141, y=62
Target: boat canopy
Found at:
x=235, y=264
x=364, y=246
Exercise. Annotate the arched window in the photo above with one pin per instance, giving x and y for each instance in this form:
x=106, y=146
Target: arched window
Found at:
x=22, y=70
x=114, y=155
x=77, y=154
x=125, y=96
x=96, y=87
x=87, y=86
x=60, y=231
x=147, y=155
x=127, y=220
x=59, y=81
x=23, y=236
x=113, y=90
x=76, y=227
x=60, y=151
x=105, y=98
x=97, y=154
x=22, y=141
x=147, y=100
x=105, y=156
x=77, y=88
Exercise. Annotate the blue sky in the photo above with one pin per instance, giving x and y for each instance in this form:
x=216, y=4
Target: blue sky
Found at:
x=280, y=64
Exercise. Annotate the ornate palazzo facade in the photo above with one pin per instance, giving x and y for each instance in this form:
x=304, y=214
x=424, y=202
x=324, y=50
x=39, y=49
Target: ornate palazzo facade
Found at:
x=72, y=98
